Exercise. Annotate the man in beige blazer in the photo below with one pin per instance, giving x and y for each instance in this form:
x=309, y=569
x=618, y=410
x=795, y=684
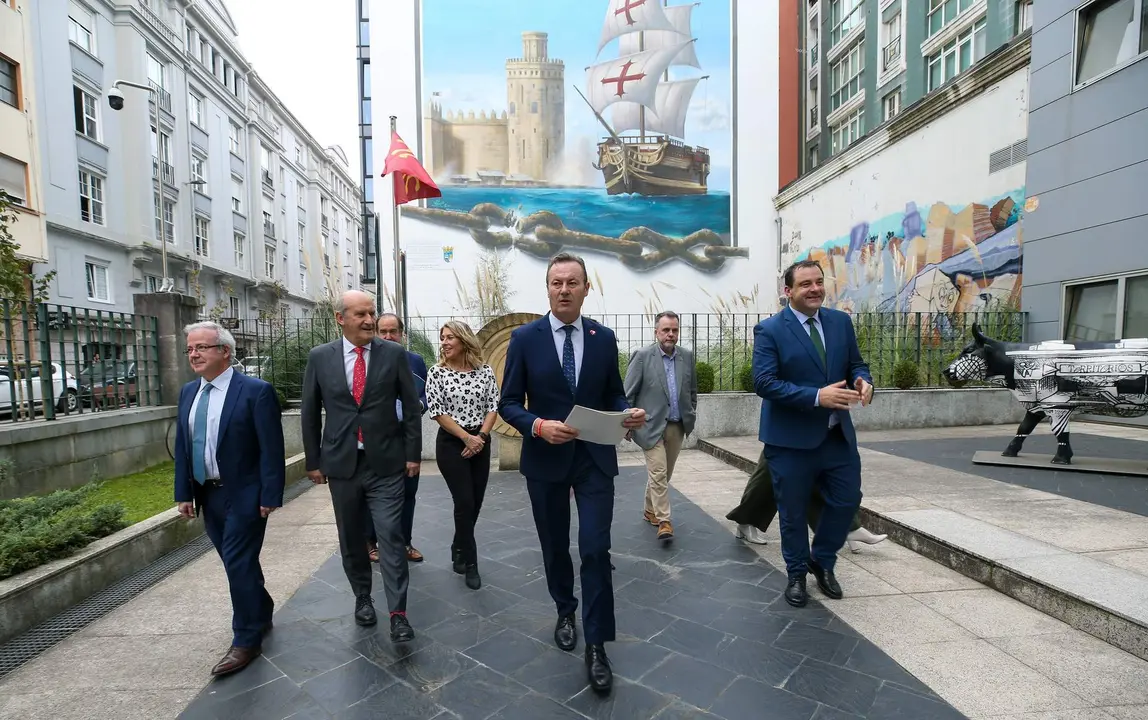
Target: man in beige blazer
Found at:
x=661, y=379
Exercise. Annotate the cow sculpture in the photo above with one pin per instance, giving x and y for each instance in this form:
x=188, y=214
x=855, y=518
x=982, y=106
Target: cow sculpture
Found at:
x=1056, y=380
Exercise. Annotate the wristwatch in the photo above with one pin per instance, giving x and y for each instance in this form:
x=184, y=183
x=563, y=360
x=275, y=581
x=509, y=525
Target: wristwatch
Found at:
x=484, y=435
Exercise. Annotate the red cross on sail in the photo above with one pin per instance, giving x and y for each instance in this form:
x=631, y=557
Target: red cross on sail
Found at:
x=631, y=16
x=632, y=78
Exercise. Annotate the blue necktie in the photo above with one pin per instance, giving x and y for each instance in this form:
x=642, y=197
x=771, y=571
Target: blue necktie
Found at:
x=199, y=437
x=568, y=368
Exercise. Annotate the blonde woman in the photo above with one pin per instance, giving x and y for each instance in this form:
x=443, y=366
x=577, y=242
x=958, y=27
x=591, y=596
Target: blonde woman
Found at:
x=462, y=396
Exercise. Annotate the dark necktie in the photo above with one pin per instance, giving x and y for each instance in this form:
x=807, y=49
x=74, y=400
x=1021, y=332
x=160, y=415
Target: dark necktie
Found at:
x=568, y=368
x=816, y=338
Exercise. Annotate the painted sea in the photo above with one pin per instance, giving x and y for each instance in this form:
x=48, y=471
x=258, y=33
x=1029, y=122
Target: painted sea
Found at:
x=591, y=210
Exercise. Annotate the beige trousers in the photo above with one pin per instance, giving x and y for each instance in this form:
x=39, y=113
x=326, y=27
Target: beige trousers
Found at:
x=660, y=461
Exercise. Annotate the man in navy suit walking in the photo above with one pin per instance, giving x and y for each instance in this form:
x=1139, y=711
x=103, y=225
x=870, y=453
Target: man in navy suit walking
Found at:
x=809, y=371
x=229, y=467
x=558, y=361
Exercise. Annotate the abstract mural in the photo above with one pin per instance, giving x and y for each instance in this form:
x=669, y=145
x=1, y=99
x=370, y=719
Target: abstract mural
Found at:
x=944, y=258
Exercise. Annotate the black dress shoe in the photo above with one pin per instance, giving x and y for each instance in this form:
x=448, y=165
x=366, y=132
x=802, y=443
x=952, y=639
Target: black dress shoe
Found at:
x=473, y=579
x=598, y=668
x=795, y=593
x=456, y=561
x=826, y=581
x=365, y=611
x=565, y=633
x=401, y=630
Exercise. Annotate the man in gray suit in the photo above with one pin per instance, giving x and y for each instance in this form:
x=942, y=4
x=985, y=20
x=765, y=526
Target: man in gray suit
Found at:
x=364, y=451
x=662, y=380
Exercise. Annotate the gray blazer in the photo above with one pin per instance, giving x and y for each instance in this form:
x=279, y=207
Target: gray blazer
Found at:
x=389, y=443
x=646, y=387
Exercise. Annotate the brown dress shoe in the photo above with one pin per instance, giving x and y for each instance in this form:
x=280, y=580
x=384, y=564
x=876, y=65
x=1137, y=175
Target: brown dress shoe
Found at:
x=236, y=659
x=665, y=530
x=649, y=517
x=414, y=555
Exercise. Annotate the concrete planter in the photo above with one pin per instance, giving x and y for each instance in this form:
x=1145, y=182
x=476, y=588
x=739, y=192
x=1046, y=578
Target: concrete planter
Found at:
x=30, y=598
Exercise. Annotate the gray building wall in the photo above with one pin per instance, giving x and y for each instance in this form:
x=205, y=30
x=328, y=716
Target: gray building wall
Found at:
x=1087, y=168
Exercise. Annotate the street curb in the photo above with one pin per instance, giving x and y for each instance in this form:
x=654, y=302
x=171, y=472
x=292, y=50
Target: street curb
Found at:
x=1108, y=625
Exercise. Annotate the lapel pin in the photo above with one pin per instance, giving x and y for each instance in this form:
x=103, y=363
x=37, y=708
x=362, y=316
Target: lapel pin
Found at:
x=593, y=332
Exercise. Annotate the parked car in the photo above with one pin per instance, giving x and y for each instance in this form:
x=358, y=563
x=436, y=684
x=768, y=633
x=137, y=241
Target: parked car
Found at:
x=253, y=365
x=65, y=388
x=111, y=383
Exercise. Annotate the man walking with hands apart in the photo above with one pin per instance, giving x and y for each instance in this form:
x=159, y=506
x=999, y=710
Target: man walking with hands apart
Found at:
x=809, y=371
x=364, y=450
x=559, y=361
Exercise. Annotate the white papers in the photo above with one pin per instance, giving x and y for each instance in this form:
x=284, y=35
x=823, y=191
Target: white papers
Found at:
x=595, y=426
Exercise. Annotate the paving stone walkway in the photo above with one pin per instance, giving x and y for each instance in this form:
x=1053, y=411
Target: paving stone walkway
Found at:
x=704, y=633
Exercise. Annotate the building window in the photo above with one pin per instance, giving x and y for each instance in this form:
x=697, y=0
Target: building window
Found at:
x=98, y=288
x=236, y=195
x=1023, y=16
x=848, y=130
x=201, y=236
x=303, y=278
x=847, y=76
x=91, y=198
x=1107, y=310
x=844, y=16
x=1110, y=33
x=81, y=23
x=957, y=56
x=233, y=306
x=8, y=84
x=235, y=140
x=156, y=71
x=891, y=53
x=298, y=154
x=813, y=157
x=302, y=237
x=891, y=105
x=240, y=252
x=87, y=109
x=164, y=218
x=199, y=173
x=14, y=180
x=195, y=109
x=943, y=12
x=269, y=260
x=152, y=283
x=301, y=195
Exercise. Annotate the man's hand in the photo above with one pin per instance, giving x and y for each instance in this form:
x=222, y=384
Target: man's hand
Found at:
x=636, y=420
x=316, y=477
x=556, y=433
x=837, y=396
x=186, y=509
x=265, y=511
x=413, y=469
x=865, y=390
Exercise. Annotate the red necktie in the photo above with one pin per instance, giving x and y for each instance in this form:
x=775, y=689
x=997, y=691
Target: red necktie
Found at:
x=359, y=380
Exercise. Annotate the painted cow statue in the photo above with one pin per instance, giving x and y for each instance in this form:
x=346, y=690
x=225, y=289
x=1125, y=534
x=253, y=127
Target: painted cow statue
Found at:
x=1056, y=380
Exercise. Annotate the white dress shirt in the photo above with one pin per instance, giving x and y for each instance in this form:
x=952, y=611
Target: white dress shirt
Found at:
x=349, y=358
x=215, y=402
x=577, y=338
x=804, y=320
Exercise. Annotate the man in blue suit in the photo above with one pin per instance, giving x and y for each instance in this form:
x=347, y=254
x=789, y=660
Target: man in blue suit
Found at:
x=558, y=361
x=391, y=328
x=229, y=467
x=809, y=371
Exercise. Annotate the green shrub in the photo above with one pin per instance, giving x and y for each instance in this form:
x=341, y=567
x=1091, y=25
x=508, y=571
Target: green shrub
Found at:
x=37, y=530
x=623, y=364
x=421, y=345
x=705, y=373
x=745, y=378
x=906, y=375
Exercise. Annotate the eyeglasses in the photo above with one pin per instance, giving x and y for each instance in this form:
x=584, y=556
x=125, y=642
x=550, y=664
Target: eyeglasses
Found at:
x=201, y=349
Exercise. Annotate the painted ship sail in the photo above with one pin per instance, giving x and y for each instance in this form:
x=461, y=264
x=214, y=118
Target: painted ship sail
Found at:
x=636, y=86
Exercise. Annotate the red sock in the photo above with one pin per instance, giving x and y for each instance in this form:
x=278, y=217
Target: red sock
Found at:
x=400, y=612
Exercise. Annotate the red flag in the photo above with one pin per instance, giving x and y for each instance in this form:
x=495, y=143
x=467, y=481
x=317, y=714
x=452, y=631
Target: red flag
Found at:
x=411, y=180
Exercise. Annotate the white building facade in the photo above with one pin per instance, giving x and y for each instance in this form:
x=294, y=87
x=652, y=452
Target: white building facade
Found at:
x=257, y=217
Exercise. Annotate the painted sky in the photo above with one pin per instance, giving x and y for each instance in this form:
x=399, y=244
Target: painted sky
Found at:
x=466, y=44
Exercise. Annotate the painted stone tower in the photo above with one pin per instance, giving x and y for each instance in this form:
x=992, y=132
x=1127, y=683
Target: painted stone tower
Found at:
x=536, y=109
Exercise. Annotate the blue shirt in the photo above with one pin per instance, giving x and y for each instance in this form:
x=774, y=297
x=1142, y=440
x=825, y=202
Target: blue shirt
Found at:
x=672, y=384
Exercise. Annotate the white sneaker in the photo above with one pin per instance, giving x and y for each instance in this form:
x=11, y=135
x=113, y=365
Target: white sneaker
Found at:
x=750, y=534
x=861, y=535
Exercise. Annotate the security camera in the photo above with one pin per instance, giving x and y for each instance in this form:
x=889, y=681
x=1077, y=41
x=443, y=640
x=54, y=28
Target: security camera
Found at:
x=116, y=99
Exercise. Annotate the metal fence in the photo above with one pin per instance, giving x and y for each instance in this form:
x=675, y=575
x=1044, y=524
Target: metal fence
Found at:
x=277, y=350
x=58, y=360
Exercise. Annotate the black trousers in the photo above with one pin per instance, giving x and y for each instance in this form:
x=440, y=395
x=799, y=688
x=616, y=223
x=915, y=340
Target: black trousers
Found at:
x=758, y=506
x=466, y=478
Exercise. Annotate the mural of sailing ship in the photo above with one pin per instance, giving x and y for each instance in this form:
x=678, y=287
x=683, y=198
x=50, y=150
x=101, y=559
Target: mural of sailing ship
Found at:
x=636, y=86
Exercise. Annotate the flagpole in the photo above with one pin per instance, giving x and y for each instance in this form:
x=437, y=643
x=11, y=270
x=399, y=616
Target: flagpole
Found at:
x=395, y=220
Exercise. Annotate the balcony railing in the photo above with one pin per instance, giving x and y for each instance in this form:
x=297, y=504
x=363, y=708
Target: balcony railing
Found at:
x=814, y=56
x=162, y=171
x=269, y=228
x=892, y=53
x=267, y=180
x=163, y=97
x=160, y=26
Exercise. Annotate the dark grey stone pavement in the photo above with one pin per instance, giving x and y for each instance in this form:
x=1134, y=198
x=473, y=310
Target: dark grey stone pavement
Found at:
x=703, y=633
